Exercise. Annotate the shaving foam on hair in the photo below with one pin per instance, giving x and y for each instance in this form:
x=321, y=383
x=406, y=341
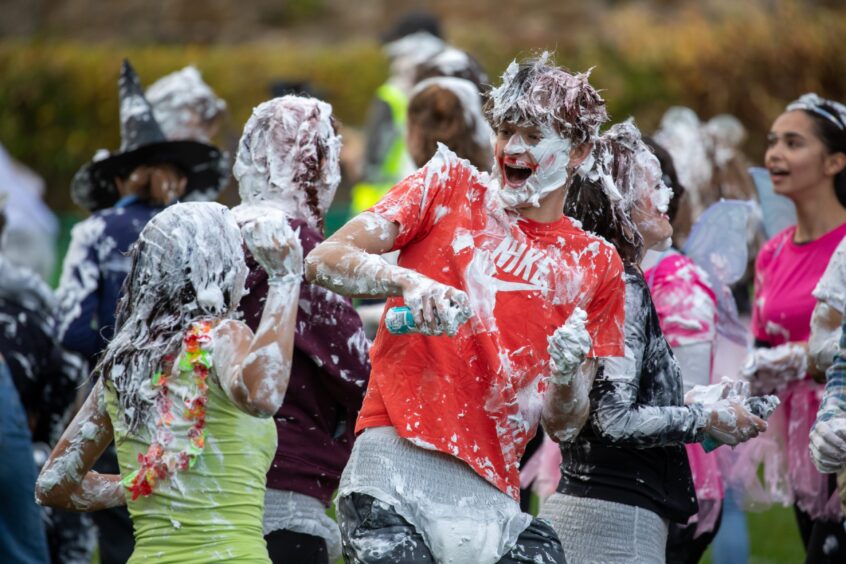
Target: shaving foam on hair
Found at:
x=187, y=265
x=176, y=99
x=470, y=99
x=835, y=112
x=537, y=93
x=288, y=153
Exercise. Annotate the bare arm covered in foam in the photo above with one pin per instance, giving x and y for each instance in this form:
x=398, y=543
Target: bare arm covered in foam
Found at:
x=66, y=481
x=254, y=368
x=347, y=263
x=566, y=407
x=824, y=342
x=567, y=401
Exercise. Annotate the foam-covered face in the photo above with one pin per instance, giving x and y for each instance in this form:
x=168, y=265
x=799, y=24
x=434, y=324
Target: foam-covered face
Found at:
x=649, y=212
x=532, y=162
x=287, y=142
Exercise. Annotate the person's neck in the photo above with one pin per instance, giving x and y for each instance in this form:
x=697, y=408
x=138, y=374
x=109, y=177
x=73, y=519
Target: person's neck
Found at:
x=551, y=208
x=817, y=215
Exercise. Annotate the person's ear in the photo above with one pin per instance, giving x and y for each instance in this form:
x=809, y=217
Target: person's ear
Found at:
x=579, y=153
x=834, y=163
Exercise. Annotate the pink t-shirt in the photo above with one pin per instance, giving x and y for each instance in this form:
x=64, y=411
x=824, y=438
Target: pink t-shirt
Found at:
x=685, y=302
x=785, y=277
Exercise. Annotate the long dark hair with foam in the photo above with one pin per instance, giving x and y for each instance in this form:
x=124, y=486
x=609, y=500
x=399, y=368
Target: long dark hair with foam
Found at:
x=605, y=190
x=188, y=264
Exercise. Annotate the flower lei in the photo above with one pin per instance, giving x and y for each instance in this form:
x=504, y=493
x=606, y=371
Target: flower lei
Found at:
x=159, y=463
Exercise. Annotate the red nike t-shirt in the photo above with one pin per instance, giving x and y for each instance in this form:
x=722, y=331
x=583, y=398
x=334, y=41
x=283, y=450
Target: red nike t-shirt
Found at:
x=478, y=395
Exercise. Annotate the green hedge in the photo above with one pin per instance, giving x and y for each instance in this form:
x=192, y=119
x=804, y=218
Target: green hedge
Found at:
x=58, y=100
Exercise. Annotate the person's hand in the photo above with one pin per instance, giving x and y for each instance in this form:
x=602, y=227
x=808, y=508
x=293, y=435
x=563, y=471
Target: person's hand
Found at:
x=737, y=390
x=167, y=183
x=569, y=347
x=275, y=246
x=730, y=423
x=828, y=444
x=771, y=370
x=437, y=308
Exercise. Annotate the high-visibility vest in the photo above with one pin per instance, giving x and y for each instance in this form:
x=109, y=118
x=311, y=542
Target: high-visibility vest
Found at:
x=366, y=194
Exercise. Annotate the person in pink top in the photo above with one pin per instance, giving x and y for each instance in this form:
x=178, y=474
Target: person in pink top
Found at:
x=806, y=159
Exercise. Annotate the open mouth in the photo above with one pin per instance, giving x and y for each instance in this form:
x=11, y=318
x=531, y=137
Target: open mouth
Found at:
x=778, y=173
x=516, y=173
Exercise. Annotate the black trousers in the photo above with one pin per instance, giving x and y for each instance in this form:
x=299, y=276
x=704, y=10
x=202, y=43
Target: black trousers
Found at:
x=825, y=541
x=288, y=547
x=366, y=522
x=682, y=548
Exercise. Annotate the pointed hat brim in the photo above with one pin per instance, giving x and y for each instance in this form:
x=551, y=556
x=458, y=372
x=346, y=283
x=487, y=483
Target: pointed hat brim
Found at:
x=205, y=167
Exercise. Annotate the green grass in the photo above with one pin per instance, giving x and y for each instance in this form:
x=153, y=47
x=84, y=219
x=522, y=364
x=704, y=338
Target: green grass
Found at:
x=773, y=538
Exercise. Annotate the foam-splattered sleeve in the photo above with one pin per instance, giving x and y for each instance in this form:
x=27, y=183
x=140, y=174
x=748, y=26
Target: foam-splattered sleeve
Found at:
x=617, y=414
x=412, y=203
x=78, y=295
x=831, y=288
x=606, y=311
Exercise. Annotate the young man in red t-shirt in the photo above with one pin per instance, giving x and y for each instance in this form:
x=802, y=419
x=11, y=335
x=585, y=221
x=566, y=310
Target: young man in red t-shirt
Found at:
x=512, y=301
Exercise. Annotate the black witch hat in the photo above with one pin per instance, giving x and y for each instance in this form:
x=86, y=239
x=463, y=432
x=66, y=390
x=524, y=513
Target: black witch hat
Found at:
x=143, y=143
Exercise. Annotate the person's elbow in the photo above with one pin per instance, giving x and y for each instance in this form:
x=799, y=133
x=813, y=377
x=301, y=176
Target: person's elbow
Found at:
x=267, y=398
x=563, y=426
x=46, y=490
x=612, y=428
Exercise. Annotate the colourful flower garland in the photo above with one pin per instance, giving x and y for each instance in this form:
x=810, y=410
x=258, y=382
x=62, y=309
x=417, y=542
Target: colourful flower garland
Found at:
x=159, y=463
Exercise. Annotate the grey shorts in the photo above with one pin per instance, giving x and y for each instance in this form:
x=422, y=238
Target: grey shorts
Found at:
x=373, y=533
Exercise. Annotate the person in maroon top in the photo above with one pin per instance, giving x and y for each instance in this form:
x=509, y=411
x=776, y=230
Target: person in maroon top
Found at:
x=288, y=158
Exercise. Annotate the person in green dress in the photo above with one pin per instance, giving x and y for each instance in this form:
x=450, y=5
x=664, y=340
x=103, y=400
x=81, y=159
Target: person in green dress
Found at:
x=187, y=391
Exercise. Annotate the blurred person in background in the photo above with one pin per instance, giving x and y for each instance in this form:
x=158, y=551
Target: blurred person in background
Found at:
x=185, y=107
x=46, y=378
x=806, y=159
x=22, y=538
x=681, y=134
x=288, y=159
x=826, y=348
x=123, y=191
x=186, y=390
x=29, y=239
x=415, y=38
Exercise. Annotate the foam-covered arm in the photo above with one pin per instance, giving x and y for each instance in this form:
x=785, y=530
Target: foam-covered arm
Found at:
x=66, y=481
x=348, y=263
x=567, y=406
x=254, y=368
x=828, y=435
x=824, y=342
x=77, y=296
x=618, y=418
